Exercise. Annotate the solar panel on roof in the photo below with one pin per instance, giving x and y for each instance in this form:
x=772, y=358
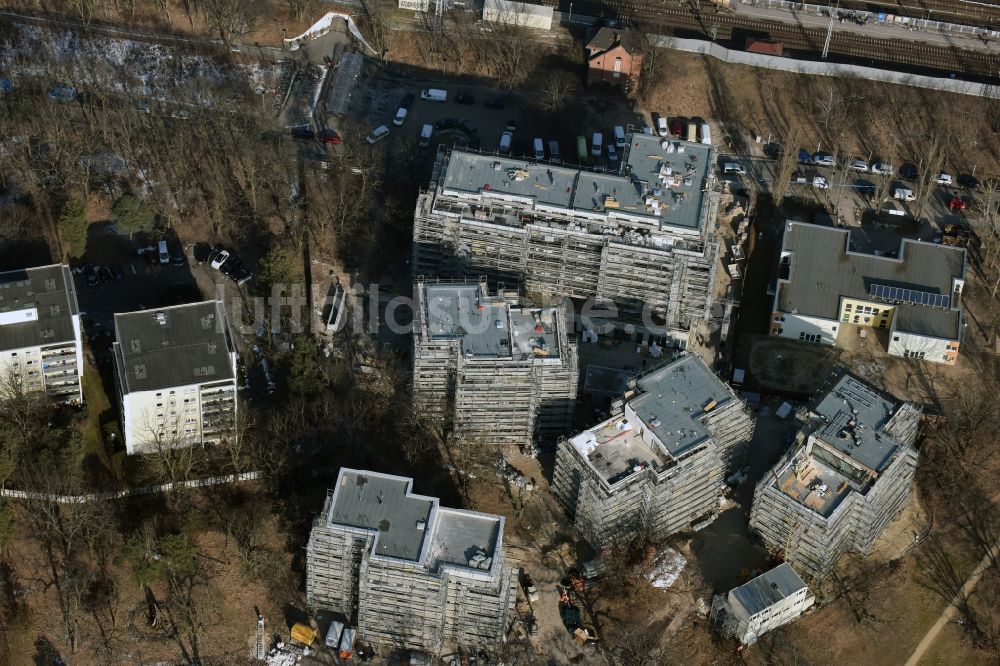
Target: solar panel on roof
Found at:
x=909, y=296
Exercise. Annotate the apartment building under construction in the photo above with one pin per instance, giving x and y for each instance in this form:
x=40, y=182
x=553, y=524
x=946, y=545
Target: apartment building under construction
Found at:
x=491, y=370
x=410, y=573
x=847, y=476
x=640, y=238
x=657, y=465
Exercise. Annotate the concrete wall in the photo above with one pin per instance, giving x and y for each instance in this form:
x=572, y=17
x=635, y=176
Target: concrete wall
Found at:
x=518, y=13
x=817, y=68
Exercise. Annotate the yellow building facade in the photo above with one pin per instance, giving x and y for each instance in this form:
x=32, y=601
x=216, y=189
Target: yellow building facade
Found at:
x=875, y=314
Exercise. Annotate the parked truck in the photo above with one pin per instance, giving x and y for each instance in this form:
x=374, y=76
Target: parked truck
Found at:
x=347, y=643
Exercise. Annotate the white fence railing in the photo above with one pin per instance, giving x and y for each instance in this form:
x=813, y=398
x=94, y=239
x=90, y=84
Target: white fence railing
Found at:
x=130, y=492
x=819, y=68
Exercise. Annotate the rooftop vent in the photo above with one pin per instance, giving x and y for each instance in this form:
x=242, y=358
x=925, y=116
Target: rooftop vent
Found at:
x=140, y=371
x=48, y=333
x=54, y=310
x=204, y=371
x=207, y=321
x=161, y=318
x=135, y=345
x=421, y=524
x=212, y=347
x=50, y=284
x=384, y=525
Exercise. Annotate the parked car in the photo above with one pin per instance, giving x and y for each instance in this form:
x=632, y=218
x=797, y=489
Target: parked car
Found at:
x=799, y=178
x=377, y=134
x=733, y=167
x=447, y=123
x=303, y=133
x=554, y=151
x=821, y=183
x=400, y=117
x=860, y=166
x=612, y=153
x=903, y=194
x=596, y=144
x=883, y=168
x=661, y=126
x=118, y=272
x=329, y=136
x=677, y=126
x=539, y=148
x=505, y=140
x=957, y=203
x=619, y=136
x=908, y=172
x=219, y=258
x=804, y=157
x=177, y=258
x=90, y=274
x=434, y=95
x=943, y=178
x=466, y=99
x=511, y=125
x=823, y=159
x=104, y=274
x=968, y=181
x=202, y=252
x=407, y=101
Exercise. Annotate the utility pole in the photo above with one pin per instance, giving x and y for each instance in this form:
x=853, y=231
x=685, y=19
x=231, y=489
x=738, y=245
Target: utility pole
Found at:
x=829, y=30
x=258, y=646
x=438, y=19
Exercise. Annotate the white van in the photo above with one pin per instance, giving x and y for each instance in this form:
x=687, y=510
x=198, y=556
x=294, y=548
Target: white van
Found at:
x=706, y=134
x=596, y=144
x=619, y=136
x=434, y=95
x=733, y=167
x=164, y=253
x=692, y=133
x=425, y=136
x=539, y=147
x=505, y=140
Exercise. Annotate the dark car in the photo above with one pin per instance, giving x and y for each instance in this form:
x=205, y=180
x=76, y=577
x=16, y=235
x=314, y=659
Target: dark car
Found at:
x=202, y=252
x=304, y=133
x=967, y=181
x=511, y=125
x=494, y=103
x=105, y=274
x=407, y=101
x=677, y=126
x=231, y=265
x=908, y=172
x=447, y=123
x=241, y=275
x=469, y=127
x=805, y=157
x=463, y=98
x=90, y=273
x=118, y=273
x=177, y=258
x=329, y=136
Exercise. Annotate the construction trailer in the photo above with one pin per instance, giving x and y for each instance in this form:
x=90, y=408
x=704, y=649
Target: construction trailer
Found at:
x=657, y=465
x=490, y=370
x=409, y=573
x=639, y=240
x=847, y=476
x=766, y=602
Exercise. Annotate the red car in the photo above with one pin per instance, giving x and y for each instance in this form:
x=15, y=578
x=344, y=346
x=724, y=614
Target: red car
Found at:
x=329, y=136
x=958, y=203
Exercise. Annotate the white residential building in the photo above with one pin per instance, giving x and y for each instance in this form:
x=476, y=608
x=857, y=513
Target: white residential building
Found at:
x=825, y=287
x=176, y=376
x=40, y=343
x=764, y=603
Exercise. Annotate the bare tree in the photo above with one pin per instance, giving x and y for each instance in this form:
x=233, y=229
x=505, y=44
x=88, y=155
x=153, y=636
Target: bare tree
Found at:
x=988, y=246
x=786, y=163
x=556, y=91
x=231, y=18
x=375, y=21
x=509, y=53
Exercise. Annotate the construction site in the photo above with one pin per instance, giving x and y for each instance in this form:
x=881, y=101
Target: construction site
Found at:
x=639, y=239
x=847, y=476
x=657, y=465
x=490, y=370
x=407, y=572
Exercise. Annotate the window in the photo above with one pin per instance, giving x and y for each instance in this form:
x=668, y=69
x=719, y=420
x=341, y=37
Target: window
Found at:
x=809, y=337
x=618, y=68
x=857, y=318
x=947, y=357
x=848, y=307
x=874, y=311
x=914, y=354
x=882, y=324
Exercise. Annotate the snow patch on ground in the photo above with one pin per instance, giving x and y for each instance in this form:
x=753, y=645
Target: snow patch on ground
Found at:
x=127, y=66
x=667, y=566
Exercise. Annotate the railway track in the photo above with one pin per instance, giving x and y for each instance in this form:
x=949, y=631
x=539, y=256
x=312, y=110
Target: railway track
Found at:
x=848, y=47
x=979, y=13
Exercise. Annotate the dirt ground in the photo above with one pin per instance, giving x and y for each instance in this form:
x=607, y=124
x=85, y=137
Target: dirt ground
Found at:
x=777, y=364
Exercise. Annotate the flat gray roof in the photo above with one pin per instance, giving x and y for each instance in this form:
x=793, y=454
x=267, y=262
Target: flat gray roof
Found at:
x=413, y=527
x=37, y=306
x=460, y=535
x=823, y=271
x=383, y=503
x=767, y=589
x=489, y=327
x=676, y=398
x=175, y=346
x=854, y=414
x=659, y=180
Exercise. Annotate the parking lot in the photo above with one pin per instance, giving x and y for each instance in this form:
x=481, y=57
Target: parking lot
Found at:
x=486, y=113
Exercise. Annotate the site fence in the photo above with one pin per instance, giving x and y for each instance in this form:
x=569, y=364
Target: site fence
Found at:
x=130, y=492
x=825, y=68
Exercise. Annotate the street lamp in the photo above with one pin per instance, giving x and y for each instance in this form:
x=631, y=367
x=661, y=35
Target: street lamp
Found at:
x=570, y=19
